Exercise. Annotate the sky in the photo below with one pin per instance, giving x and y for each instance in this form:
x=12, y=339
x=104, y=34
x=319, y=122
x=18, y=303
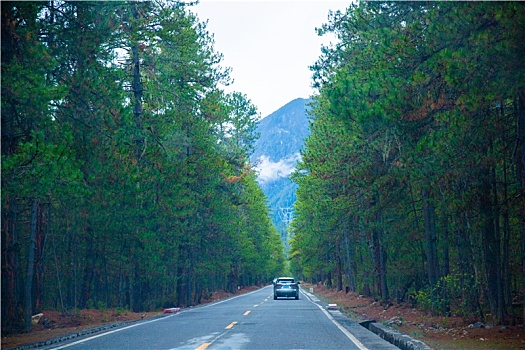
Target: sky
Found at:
x=269, y=45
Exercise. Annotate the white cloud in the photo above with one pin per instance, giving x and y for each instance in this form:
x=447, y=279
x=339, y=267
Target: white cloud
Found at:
x=270, y=171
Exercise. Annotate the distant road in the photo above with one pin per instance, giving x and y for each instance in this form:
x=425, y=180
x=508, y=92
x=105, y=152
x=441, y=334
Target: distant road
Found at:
x=248, y=321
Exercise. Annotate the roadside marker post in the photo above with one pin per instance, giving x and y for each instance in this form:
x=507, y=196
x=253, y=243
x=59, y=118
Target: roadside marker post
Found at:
x=172, y=310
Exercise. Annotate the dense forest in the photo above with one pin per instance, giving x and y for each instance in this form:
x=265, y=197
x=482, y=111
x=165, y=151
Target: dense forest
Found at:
x=125, y=173
x=412, y=182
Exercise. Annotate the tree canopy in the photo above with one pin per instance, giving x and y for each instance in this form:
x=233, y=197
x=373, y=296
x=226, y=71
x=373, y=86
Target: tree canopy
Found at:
x=411, y=184
x=125, y=174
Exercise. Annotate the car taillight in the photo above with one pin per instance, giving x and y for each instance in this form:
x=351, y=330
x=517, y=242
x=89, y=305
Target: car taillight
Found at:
x=294, y=284
x=279, y=285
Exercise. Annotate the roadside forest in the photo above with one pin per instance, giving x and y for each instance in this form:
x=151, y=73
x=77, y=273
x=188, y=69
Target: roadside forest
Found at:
x=412, y=182
x=125, y=175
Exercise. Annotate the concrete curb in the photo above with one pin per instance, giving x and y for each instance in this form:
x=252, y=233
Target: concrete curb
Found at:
x=402, y=341
x=79, y=334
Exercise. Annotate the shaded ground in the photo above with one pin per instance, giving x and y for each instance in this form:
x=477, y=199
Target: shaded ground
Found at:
x=56, y=323
x=438, y=332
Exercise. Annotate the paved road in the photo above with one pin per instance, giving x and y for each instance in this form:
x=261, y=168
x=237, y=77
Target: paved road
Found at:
x=248, y=321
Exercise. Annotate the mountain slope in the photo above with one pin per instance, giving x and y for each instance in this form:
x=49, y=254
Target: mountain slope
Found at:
x=277, y=151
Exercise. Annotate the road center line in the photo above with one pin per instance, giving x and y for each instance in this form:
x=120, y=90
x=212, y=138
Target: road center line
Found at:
x=230, y=326
x=154, y=320
x=203, y=346
x=247, y=313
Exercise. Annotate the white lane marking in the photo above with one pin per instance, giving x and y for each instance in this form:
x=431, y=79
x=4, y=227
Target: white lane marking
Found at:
x=338, y=325
x=146, y=322
x=110, y=332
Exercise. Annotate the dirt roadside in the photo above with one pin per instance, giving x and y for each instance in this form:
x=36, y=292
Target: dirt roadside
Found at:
x=440, y=333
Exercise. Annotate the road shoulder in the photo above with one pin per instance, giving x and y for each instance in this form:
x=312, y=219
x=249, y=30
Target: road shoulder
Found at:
x=375, y=336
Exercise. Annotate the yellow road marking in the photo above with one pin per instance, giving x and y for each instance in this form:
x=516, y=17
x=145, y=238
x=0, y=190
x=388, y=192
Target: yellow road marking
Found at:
x=247, y=313
x=203, y=346
x=230, y=326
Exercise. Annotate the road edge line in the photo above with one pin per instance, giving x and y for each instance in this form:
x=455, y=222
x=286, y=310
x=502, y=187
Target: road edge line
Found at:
x=345, y=331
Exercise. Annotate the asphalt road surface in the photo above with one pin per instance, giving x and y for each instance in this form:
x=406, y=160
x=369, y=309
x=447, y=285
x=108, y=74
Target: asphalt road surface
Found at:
x=248, y=321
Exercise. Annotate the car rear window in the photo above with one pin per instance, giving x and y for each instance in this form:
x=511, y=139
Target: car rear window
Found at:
x=286, y=280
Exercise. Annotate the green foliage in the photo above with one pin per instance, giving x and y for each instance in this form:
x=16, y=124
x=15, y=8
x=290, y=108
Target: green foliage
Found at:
x=407, y=180
x=114, y=121
x=101, y=306
x=446, y=296
x=121, y=311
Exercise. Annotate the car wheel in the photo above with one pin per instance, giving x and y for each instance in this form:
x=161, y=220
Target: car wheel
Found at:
x=275, y=297
x=297, y=297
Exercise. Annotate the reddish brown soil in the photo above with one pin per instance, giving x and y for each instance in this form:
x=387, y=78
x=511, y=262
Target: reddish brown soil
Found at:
x=55, y=323
x=439, y=333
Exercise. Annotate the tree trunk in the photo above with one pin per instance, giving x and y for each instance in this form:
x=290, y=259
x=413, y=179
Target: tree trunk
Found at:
x=505, y=250
x=137, y=95
x=121, y=280
x=339, y=272
x=380, y=260
x=42, y=227
x=385, y=295
x=28, y=302
x=87, y=279
x=446, y=267
x=446, y=253
x=431, y=239
x=523, y=257
x=138, y=288
x=466, y=264
x=520, y=169
x=349, y=262
x=11, y=288
x=329, y=279
x=491, y=248
x=179, y=289
x=57, y=272
x=497, y=231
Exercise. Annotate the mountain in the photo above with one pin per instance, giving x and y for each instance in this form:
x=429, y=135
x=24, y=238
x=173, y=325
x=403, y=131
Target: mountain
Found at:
x=276, y=153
